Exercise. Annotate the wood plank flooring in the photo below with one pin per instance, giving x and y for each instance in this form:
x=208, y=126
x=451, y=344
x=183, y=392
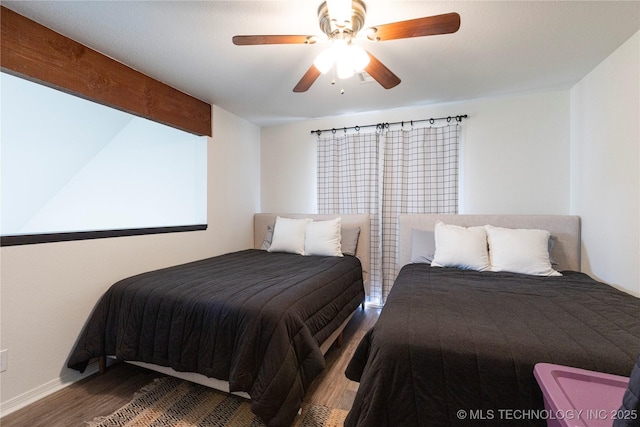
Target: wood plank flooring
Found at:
x=100, y=395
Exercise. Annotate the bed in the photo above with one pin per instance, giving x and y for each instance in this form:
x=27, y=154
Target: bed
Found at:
x=457, y=346
x=255, y=322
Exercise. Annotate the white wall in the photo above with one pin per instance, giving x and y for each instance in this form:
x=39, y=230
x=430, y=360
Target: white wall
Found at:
x=48, y=290
x=515, y=154
x=570, y=151
x=605, y=163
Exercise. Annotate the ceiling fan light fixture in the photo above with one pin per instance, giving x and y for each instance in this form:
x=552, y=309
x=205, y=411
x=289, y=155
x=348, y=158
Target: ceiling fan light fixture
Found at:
x=348, y=58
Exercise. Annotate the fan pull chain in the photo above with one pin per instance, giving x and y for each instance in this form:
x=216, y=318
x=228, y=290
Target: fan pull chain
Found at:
x=333, y=81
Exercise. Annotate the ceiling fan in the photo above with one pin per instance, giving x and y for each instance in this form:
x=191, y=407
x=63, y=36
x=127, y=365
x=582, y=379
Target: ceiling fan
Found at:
x=342, y=21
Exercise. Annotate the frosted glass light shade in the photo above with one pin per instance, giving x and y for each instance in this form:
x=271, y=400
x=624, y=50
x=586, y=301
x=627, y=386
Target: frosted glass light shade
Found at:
x=344, y=70
x=324, y=61
x=347, y=57
x=359, y=58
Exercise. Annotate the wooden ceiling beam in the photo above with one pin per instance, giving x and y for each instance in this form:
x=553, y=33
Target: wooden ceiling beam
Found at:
x=34, y=52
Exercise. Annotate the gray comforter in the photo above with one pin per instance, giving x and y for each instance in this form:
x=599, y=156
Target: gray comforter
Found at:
x=455, y=347
x=252, y=318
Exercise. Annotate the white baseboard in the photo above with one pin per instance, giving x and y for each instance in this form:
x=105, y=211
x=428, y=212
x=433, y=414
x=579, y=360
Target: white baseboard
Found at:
x=42, y=391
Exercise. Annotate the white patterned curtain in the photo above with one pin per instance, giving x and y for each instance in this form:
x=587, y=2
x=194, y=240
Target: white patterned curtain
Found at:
x=420, y=175
x=348, y=182
x=385, y=174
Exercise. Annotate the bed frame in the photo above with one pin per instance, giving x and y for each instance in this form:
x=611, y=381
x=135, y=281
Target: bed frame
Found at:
x=261, y=222
x=566, y=228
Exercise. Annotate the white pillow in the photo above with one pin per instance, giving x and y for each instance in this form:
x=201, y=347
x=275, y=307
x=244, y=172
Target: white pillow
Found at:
x=323, y=238
x=288, y=235
x=460, y=247
x=523, y=251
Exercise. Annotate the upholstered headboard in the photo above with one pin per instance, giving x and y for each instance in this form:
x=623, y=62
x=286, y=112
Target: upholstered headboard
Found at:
x=566, y=229
x=261, y=221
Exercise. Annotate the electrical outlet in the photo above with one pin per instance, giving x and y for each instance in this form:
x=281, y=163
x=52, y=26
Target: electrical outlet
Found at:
x=4, y=360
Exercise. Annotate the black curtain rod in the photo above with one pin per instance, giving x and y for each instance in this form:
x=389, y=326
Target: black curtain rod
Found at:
x=381, y=126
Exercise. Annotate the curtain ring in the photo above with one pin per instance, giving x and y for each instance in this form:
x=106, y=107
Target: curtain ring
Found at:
x=357, y=128
x=449, y=119
x=333, y=131
x=319, y=132
x=432, y=121
x=345, y=130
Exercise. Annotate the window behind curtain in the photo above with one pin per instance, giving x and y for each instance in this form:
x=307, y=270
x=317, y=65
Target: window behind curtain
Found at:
x=384, y=174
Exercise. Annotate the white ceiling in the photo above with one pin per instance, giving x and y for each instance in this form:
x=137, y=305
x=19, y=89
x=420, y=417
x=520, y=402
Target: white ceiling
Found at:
x=502, y=47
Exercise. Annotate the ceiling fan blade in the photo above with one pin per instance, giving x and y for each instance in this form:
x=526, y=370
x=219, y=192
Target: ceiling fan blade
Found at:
x=381, y=73
x=427, y=26
x=307, y=80
x=274, y=39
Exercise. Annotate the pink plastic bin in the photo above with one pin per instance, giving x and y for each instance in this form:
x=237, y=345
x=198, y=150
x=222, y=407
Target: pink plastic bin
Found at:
x=579, y=398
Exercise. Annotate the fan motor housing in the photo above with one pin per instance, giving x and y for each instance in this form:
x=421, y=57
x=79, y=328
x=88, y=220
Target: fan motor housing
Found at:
x=358, y=14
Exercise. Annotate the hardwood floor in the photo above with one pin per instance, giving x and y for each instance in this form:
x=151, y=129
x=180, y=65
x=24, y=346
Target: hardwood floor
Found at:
x=332, y=388
x=100, y=395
